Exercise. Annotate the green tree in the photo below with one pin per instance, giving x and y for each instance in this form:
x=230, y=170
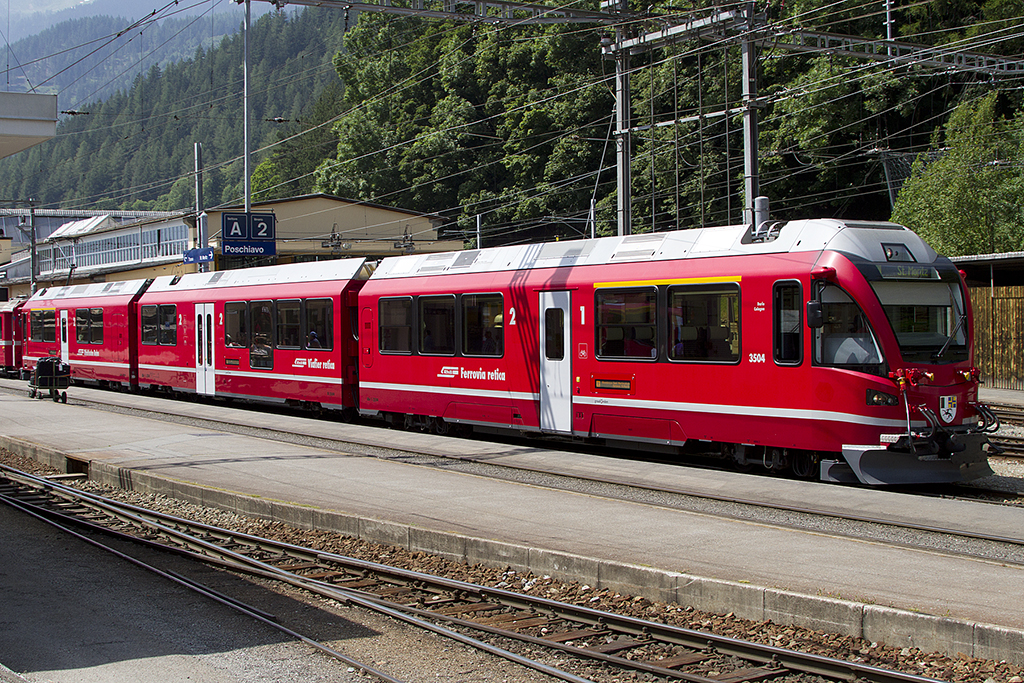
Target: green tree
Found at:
x=965, y=196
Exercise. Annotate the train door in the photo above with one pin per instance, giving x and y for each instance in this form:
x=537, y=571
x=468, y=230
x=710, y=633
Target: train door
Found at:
x=205, y=371
x=555, y=363
x=64, y=352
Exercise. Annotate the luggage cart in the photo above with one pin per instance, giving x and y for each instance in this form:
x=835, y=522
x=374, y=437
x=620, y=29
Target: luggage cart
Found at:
x=53, y=375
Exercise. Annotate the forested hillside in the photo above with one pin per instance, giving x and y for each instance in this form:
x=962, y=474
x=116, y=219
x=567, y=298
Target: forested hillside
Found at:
x=87, y=59
x=515, y=125
x=135, y=149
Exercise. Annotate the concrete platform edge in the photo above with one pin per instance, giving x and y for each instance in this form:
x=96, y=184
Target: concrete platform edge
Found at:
x=875, y=623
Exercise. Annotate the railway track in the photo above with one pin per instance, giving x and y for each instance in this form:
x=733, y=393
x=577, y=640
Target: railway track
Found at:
x=1012, y=446
x=1008, y=413
x=448, y=607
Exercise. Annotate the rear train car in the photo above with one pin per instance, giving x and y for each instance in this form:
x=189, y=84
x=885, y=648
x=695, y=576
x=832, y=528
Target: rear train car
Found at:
x=11, y=336
x=278, y=334
x=90, y=327
x=835, y=350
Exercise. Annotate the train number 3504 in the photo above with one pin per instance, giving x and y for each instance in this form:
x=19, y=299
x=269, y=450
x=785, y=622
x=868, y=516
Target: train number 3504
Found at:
x=756, y=357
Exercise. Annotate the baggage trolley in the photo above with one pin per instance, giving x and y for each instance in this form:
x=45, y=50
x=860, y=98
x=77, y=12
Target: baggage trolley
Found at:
x=53, y=375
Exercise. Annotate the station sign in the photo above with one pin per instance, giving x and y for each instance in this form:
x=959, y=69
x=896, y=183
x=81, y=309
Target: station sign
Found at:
x=248, y=248
x=249, y=234
x=204, y=255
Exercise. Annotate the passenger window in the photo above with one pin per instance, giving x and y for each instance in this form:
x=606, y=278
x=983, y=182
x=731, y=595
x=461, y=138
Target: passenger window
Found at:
x=168, y=325
x=289, y=328
x=150, y=325
x=236, y=332
x=437, y=325
x=261, y=351
x=627, y=324
x=705, y=323
x=787, y=318
x=395, y=317
x=554, y=334
x=43, y=326
x=845, y=339
x=82, y=325
x=89, y=325
x=319, y=324
x=481, y=325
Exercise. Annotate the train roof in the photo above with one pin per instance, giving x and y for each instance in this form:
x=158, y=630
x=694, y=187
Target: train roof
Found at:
x=89, y=291
x=860, y=238
x=9, y=305
x=314, y=271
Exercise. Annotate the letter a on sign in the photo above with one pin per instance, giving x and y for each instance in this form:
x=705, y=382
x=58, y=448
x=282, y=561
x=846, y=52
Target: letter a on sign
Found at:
x=235, y=226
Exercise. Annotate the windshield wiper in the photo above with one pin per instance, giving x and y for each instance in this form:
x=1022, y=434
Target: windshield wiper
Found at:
x=949, y=340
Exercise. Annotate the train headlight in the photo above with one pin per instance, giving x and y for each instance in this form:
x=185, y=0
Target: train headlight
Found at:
x=880, y=398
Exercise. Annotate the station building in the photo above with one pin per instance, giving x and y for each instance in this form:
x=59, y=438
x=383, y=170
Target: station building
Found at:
x=113, y=247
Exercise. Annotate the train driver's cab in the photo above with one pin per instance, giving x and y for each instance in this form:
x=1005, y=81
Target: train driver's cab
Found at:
x=842, y=334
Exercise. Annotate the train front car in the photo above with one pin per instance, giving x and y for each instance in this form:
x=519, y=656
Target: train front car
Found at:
x=886, y=308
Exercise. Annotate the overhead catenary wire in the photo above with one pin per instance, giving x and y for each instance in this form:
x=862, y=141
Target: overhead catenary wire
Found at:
x=391, y=93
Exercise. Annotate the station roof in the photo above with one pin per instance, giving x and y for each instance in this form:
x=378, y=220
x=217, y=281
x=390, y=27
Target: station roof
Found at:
x=26, y=119
x=1006, y=269
x=74, y=229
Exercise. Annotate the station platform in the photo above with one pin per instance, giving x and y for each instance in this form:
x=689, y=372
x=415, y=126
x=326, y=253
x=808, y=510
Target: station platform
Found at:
x=885, y=593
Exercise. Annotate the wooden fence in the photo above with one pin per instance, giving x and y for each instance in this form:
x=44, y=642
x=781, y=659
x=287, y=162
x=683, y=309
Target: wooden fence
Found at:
x=999, y=335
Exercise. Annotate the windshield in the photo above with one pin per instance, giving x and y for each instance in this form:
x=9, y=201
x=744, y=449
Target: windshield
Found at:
x=845, y=338
x=929, y=319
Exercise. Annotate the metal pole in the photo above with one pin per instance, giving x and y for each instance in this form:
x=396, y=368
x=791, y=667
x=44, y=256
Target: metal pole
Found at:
x=202, y=235
x=479, y=219
x=245, y=106
x=623, y=138
x=32, y=244
x=751, y=183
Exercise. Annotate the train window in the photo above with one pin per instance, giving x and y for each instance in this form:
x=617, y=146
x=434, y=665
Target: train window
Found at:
x=787, y=322
x=89, y=325
x=289, y=326
x=168, y=314
x=845, y=339
x=319, y=324
x=150, y=325
x=261, y=350
x=705, y=323
x=481, y=325
x=43, y=326
x=395, y=318
x=437, y=325
x=627, y=324
x=554, y=334
x=929, y=319
x=236, y=331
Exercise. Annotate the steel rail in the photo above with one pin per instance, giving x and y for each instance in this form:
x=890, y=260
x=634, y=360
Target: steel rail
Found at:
x=203, y=549
x=197, y=587
x=288, y=437
x=600, y=623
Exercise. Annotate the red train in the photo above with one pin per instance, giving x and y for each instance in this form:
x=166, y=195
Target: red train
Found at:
x=11, y=335
x=836, y=350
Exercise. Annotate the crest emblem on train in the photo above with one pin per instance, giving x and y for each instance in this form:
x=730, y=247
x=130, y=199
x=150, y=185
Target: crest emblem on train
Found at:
x=947, y=408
